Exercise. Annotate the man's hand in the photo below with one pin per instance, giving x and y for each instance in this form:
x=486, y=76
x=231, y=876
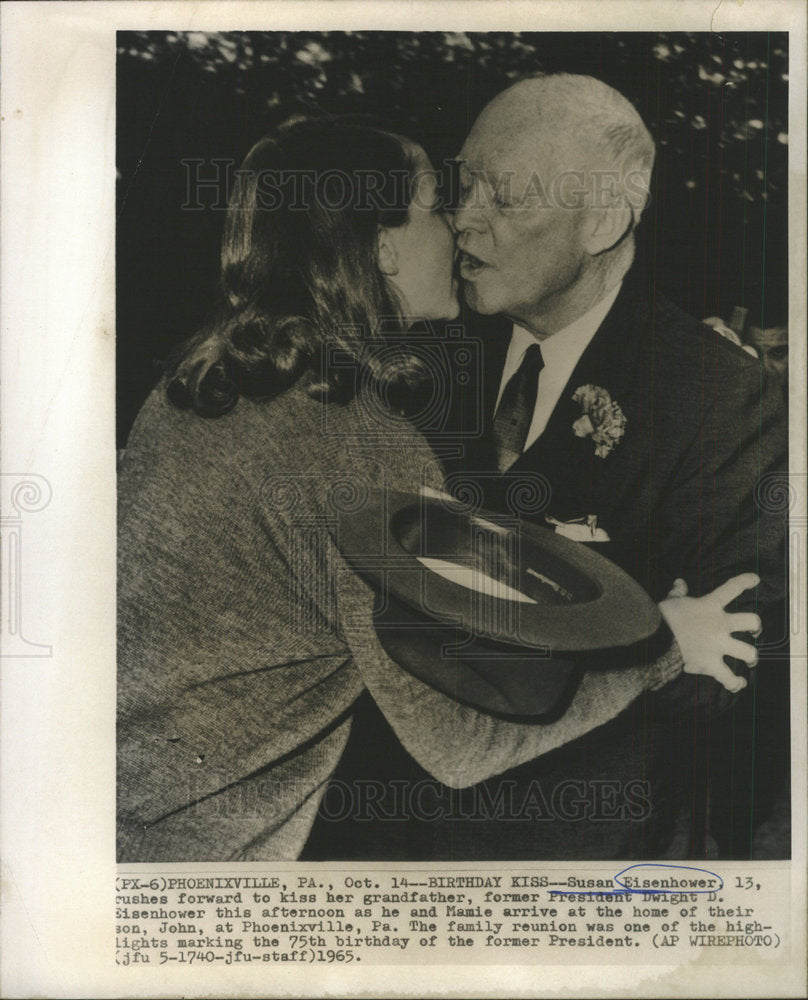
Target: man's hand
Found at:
x=704, y=631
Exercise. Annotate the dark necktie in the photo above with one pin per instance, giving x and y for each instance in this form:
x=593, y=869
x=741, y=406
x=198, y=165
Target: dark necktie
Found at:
x=515, y=411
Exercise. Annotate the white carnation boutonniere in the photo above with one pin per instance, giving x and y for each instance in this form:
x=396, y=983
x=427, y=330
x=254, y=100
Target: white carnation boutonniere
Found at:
x=602, y=418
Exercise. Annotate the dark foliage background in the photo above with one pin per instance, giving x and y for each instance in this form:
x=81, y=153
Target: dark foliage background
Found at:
x=716, y=230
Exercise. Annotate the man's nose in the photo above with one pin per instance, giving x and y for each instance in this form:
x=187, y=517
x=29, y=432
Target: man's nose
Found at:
x=467, y=216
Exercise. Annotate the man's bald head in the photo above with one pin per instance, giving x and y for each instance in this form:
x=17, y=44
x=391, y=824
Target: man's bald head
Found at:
x=574, y=123
x=554, y=176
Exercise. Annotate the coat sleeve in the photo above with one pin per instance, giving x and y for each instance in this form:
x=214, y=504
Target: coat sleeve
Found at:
x=731, y=485
x=454, y=742
x=731, y=489
x=233, y=693
x=459, y=745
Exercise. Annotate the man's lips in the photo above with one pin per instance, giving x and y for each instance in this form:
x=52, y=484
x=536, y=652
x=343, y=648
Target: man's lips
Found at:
x=469, y=264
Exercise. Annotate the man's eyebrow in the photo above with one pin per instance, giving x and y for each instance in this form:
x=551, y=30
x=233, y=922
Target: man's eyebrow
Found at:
x=473, y=171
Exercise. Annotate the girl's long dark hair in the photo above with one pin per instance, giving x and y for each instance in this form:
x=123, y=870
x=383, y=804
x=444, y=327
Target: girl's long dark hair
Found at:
x=300, y=282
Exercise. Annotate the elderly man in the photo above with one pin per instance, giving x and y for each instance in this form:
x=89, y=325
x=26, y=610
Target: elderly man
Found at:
x=647, y=432
x=642, y=433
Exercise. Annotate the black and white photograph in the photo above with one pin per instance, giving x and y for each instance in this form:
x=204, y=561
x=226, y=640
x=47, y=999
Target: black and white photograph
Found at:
x=452, y=412
x=404, y=498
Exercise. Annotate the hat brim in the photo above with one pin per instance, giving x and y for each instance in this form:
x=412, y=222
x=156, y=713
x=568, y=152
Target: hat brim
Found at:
x=498, y=612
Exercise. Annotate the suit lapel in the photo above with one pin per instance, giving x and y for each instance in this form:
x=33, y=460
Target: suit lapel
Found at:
x=611, y=361
x=494, y=334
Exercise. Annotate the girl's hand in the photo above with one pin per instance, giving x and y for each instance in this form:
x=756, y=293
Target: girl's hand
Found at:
x=704, y=630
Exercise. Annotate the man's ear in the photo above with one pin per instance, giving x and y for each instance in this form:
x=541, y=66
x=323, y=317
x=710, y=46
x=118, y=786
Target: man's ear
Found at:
x=608, y=226
x=387, y=254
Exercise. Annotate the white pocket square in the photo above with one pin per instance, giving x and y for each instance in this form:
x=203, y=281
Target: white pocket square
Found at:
x=581, y=529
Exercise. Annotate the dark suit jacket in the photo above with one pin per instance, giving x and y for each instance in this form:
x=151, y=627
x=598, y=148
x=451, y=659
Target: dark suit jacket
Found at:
x=678, y=496
x=694, y=489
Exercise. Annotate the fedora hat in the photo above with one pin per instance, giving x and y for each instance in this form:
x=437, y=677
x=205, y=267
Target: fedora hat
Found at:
x=496, y=612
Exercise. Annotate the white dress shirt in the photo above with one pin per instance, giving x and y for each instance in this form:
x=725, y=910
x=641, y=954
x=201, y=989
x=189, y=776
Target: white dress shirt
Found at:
x=560, y=352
